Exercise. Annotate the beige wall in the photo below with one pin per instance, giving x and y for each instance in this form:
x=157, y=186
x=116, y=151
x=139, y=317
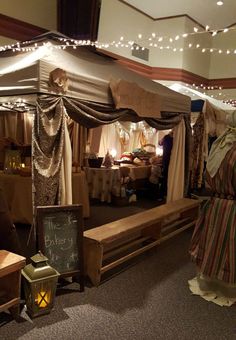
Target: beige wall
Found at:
x=118, y=19
x=116, y=22
x=194, y=60
x=223, y=65
x=6, y=41
x=166, y=57
x=42, y=13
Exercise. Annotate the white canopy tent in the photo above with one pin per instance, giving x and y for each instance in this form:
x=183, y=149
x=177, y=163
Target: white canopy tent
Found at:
x=54, y=76
x=88, y=74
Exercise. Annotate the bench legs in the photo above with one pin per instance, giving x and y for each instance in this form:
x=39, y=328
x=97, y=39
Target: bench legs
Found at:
x=93, y=254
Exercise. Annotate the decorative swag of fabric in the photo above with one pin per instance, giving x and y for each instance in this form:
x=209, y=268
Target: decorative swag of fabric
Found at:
x=48, y=137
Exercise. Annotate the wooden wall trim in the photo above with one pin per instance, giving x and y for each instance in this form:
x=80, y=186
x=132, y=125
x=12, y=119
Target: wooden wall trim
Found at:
x=18, y=30
x=170, y=74
x=226, y=83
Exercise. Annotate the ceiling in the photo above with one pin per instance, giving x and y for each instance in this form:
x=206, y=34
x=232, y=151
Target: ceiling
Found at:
x=205, y=12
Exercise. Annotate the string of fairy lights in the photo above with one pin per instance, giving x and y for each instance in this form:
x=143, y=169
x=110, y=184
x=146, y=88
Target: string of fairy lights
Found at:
x=153, y=40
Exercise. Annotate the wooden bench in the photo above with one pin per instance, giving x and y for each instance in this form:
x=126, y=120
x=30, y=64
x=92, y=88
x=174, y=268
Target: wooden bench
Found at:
x=111, y=244
x=10, y=281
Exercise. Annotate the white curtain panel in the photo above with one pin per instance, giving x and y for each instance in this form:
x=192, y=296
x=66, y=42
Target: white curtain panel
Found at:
x=175, y=186
x=66, y=170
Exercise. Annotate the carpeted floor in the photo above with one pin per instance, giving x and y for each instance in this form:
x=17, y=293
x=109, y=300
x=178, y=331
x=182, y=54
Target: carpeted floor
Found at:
x=149, y=300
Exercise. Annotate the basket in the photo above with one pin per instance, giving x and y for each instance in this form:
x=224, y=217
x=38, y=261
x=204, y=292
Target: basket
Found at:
x=95, y=162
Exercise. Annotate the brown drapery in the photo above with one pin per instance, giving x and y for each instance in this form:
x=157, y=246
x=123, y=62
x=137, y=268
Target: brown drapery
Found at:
x=89, y=115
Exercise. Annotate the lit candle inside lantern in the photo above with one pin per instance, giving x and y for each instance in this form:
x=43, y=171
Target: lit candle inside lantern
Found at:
x=43, y=299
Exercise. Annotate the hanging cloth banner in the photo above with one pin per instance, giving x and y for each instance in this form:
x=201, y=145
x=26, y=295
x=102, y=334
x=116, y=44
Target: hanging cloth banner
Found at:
x=129, y=95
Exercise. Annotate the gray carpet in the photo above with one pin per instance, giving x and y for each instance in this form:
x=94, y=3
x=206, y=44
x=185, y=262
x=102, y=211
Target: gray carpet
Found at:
x=149, y=300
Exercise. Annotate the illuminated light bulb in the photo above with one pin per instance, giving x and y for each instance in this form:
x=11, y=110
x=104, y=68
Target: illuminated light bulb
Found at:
x=185, y=35
x=195, y=29
x=174, y=49
x=207, y=27
x=225, y=30
x=220, y=3
x=143, y=48
x=113, y=153
x=220, y=94
x=197, y=45
x=121, y=38
x=177, y=37
x=160, y=39
x=161, y=47
x=170, y=40
x=214, y=33
x=203, y=50
x=159, y=151
x=190, y=45
x=151, y=44
x=181, y=49
x=155, y=45
x=234, y=51
x=220, y=87
x=137, y=47
x=220, y=51
x=140, y=36
x=211, y=50
x=228, y=52
x=153, y=35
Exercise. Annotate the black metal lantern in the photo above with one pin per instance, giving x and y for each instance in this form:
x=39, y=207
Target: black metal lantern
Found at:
x=40, y=281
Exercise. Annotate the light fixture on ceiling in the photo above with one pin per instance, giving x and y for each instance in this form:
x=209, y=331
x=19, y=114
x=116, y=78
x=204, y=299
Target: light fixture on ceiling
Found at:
x=220, y=3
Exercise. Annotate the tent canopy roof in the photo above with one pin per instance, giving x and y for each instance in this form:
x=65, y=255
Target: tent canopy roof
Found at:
x=196, y=96
x=85, y=75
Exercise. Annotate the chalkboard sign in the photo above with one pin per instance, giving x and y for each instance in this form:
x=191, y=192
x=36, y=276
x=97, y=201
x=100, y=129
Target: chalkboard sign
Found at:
x=60, y=238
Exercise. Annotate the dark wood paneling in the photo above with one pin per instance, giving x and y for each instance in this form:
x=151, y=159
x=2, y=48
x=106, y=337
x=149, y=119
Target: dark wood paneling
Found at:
x=78, y=18
x=17, y=29
x=171, y=74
